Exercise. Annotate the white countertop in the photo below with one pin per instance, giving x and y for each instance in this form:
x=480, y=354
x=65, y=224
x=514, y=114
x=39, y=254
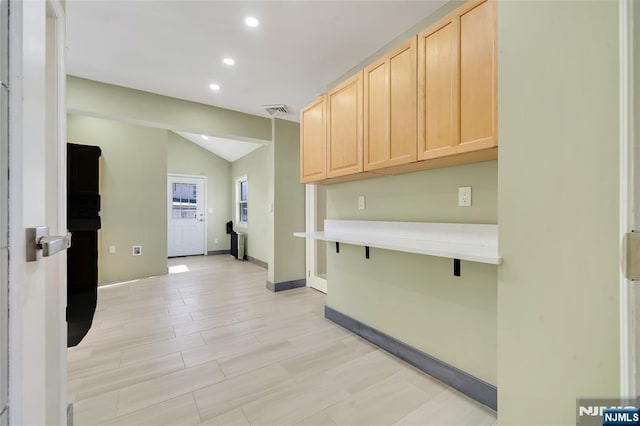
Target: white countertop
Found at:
x=472, y=242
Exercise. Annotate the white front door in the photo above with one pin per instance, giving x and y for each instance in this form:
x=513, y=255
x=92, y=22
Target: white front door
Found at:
x=35, y=196
x=187, y=226
x=316, y=212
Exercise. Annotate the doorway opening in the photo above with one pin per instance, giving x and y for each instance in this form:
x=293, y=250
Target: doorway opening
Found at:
x=316, y=213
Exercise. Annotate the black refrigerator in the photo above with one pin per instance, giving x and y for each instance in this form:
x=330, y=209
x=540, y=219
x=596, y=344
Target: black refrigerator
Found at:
x=83, y=221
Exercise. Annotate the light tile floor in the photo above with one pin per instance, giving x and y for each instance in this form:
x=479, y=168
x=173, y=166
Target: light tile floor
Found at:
x=212, y=346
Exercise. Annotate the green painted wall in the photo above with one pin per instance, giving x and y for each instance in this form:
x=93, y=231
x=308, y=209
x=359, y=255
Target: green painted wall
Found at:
x=120, y=103
x=558, y=333
x=255, y=166
x=414, y=298
x=185, y=157
x=289, y=206
x=133, y=195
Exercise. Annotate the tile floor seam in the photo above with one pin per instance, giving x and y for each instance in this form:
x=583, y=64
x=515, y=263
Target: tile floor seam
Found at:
x=117, y=404
x=140, y=382
x=245, y=415
x=184, y=364
x=195, y=401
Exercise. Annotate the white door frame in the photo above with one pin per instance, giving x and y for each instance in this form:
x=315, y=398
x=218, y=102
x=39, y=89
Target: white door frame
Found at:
x=204, y=202
x=629, y=197
x=57, y=299
x=311, y=191
x=4, y=214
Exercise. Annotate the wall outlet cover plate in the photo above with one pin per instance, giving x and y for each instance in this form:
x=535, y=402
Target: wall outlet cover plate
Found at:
x=464, y=196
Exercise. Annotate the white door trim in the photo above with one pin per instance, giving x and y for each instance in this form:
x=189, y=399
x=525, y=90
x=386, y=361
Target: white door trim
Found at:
x=627, y=202
x=16, y=243
x=57, y=369
x=204, y=202
x=311, y=212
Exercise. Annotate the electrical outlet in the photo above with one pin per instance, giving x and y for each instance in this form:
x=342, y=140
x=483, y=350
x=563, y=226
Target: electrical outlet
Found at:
x=361, y=204
x=216, y=241
x=136, y=250
x=464, y=196
x=112, y=249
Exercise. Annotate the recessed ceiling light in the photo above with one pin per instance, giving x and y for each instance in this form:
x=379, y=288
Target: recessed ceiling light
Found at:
x=214, y=86
x=251, y=21
x=206, y=138
x=228, y=61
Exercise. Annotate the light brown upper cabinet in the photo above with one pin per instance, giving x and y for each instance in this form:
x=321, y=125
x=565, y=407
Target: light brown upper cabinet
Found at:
x=430, y=103
x=478, y=76
x=438, y=90
x=457, y=78
x=313, y=149
x=390, y=109
x=344, y=128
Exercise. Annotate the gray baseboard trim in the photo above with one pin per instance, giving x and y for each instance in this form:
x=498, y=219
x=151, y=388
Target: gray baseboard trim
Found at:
x=70, y=414
x=258, y=262
x=286, y=285
x=217, y=252
x=469, y=385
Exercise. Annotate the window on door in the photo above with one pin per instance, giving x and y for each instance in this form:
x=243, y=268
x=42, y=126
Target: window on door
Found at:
x=184, y=201
x=242, y=200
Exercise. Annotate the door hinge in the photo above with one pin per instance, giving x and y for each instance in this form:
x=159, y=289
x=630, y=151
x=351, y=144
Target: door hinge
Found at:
x=631, y=255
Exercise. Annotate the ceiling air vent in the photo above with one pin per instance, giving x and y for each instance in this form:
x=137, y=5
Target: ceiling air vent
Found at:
x=276, y=109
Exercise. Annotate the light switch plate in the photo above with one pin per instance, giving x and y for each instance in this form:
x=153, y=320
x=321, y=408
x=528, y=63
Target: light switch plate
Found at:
x=112, y=249
x=464, y=196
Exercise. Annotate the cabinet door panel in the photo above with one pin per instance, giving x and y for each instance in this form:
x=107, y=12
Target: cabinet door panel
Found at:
x=478, y=75
x=344, y=121
x=402, y=101
x=438, y=112
x=376, y=111
x=313, y=149
x=390, y=109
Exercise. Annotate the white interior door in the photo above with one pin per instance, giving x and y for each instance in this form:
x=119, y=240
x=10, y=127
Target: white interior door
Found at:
x=187, y=221
x=36, y=197
x=316, y=209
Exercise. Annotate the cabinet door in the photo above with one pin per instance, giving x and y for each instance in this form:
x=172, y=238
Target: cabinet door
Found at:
x=313, y=142
x=478, y=76
x=390, y=109
x=438, y=90
x=344, y=128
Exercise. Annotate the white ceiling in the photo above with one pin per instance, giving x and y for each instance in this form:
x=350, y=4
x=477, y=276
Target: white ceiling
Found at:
x=229, y=149
x=175, y=48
